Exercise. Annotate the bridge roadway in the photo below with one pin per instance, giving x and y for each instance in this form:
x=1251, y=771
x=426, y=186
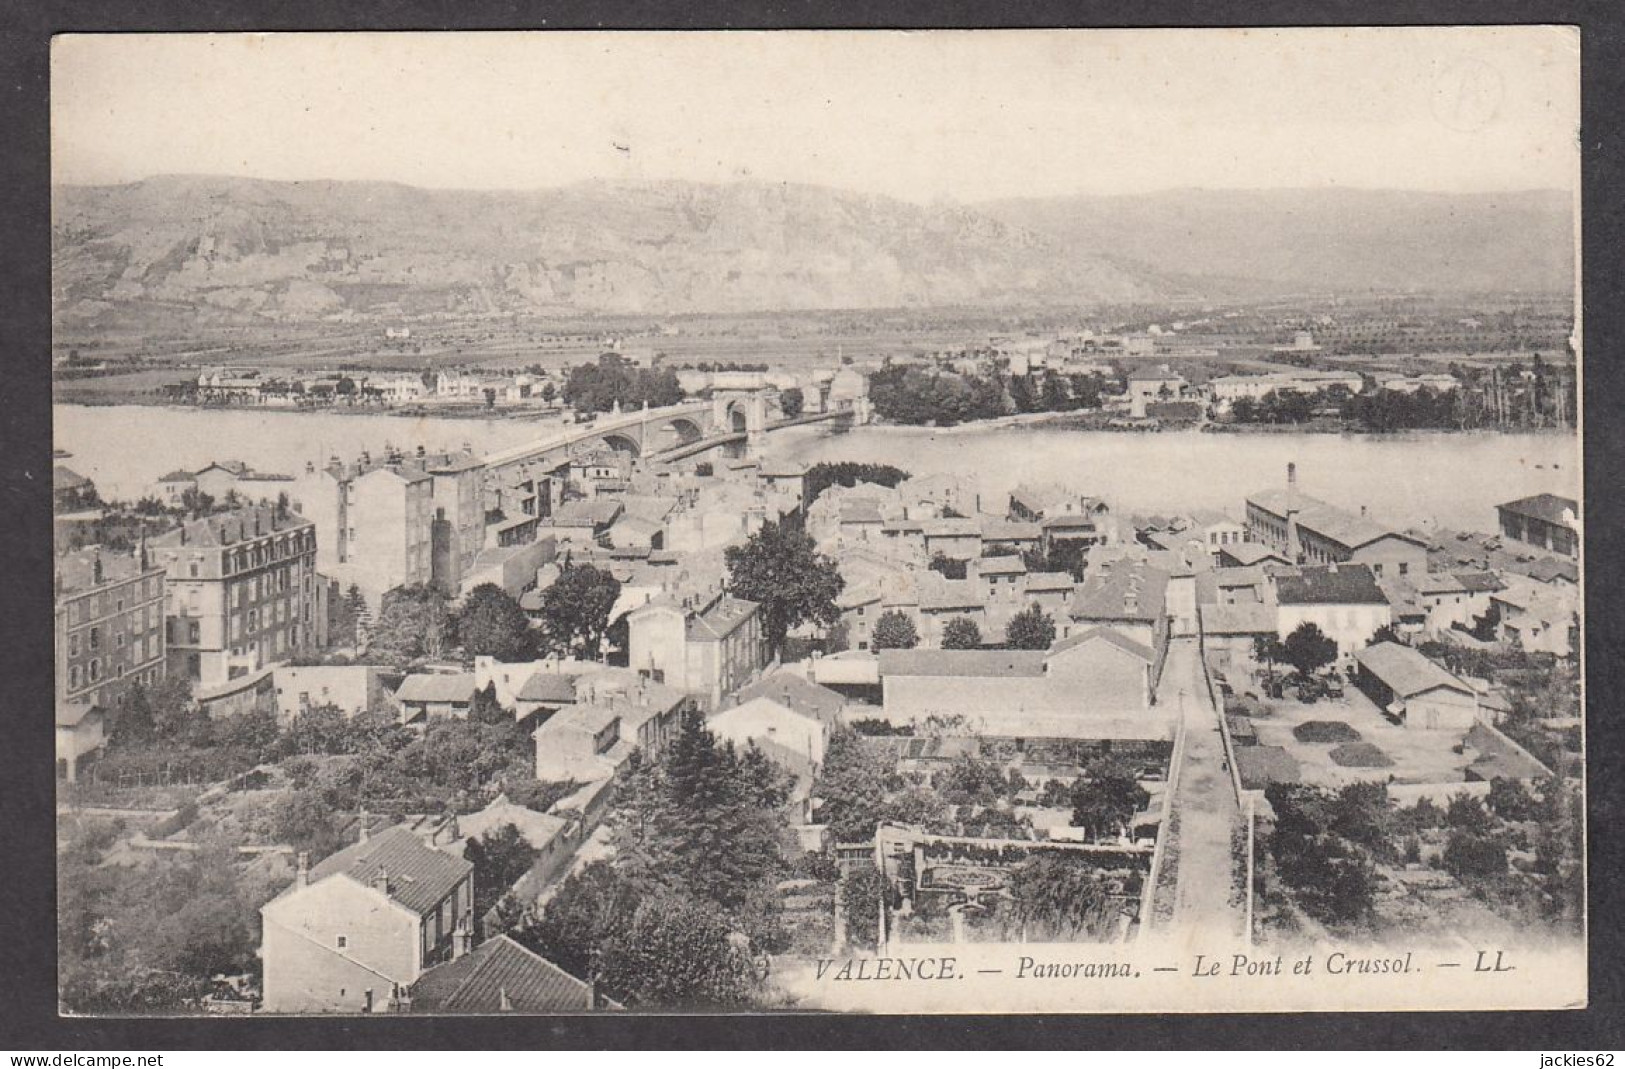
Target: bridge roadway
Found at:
x=605, y=426
x=689, y=420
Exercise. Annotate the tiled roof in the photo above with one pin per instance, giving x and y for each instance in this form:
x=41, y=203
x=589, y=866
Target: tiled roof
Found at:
x=950, y=594
x=1108, y=635
x=1347, y=529
x=860, y=512
x=499, y=976
x=1005, y=565
x=586, y=512
x=419, y=876
x=794, y=692
x=1547, y=507
x=1125, y=590
x=1043, y=581
x=1250, y=618
x=722, y=619
x=436, y=687
x=228, y=528
x=1337, y=584
x=1245, y=553
x=548, y=687
x=1007, y=663
x=1406, y=672
x=77, y=570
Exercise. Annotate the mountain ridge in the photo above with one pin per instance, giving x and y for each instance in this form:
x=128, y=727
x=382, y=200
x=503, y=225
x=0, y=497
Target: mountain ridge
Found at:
x=224, y=248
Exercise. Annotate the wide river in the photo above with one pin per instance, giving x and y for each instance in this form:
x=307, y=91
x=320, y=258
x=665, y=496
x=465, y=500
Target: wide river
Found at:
x=1450, y=479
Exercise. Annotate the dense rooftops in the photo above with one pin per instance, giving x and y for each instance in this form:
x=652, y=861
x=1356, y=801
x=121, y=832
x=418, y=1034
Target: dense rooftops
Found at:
x=1334, y=584
x=229, y=528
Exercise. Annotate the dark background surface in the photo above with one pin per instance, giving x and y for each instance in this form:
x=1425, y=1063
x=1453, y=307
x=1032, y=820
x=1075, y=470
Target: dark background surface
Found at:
x=28, y=1019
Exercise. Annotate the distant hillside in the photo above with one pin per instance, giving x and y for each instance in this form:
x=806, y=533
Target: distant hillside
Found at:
x=1317, y=240
x=225, y=248
x=222, y=249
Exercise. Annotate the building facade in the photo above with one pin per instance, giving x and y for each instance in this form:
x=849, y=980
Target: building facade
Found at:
x=109, y=625
x=240, y=593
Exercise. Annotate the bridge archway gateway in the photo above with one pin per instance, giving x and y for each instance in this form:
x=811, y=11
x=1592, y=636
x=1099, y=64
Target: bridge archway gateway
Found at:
x=680, y=430
x=739, y=412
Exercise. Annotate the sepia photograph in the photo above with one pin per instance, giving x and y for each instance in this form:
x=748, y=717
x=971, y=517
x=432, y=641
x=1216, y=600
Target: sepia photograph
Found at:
x=869, y=522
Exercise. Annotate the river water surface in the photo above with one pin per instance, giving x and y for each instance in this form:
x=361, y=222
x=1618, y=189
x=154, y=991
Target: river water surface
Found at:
x=1450, y=479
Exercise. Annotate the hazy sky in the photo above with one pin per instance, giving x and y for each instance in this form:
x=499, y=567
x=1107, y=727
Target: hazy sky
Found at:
x=925, y=116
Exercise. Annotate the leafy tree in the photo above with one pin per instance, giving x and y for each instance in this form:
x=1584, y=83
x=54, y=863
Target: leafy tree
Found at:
x=947, y=567
x=894, y=631
x=1509, y=799
x=491, y=624
x=1467, y=813
x=792, y=401
x=576, y=608
x=1107, y=799
x=500, y=858
x=1059, y=900
x=849, y=473
x=485, y=708
x=961, y=633
x=1385, y=633
x=413, y=622
x=1308, y=648
x=1030, y=629
x=680, y=953
x=861, y=891
x=1473, y=857
x=851, y=787
x=781, y=570
x=1332, y=879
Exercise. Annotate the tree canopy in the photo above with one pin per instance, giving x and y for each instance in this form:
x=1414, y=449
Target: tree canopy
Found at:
x=961, y=633
x=781, y=570
x=575, y=611
x=1030, y=629
x=491, y=624
x=894, y=631
x=1308, y=648
x=1106, y=799
x=413, y=622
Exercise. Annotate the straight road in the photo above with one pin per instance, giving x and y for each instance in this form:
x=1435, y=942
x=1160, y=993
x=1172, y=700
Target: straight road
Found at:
x=1204, y=799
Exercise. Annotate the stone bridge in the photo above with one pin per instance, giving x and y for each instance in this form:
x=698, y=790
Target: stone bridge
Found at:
x=671, y=432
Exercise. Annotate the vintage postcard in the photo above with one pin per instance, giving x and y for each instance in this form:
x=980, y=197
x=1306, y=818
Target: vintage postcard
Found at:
x=576, y=522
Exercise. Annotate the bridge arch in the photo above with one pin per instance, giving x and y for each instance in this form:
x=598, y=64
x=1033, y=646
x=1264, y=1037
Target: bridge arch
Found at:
x=682, y=430
x=738, y=416
x=623, y=443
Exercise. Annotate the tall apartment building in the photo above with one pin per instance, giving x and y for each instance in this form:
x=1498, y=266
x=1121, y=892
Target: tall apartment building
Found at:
x=109, y=624
x=374, y=523
x=240, y=591
x=457, y=495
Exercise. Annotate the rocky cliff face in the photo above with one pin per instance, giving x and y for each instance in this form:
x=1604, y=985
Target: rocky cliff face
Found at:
x=228, y=248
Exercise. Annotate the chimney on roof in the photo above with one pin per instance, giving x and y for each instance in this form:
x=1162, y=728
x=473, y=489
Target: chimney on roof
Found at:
x=380, y=880
x=183, y=533
x=463, y=940
x=364, y=818
x=1362, y=511
x=96, y=571
x=302, y=874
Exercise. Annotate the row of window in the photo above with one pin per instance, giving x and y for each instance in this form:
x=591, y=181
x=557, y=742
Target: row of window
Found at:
x=94, y=672
x=96, y=605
